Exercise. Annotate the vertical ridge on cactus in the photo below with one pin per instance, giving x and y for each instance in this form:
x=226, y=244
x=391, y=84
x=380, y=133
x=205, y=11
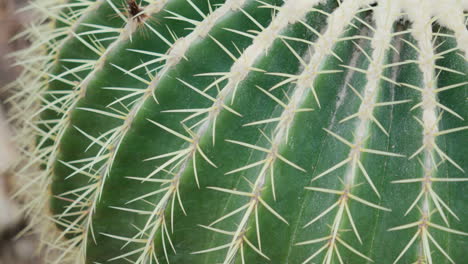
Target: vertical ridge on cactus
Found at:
x=243, y=131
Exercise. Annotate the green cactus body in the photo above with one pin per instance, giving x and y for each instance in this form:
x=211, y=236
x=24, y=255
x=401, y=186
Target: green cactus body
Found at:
x=241, y=131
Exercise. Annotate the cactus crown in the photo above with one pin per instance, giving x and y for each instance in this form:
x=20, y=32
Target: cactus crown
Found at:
x=242, y=131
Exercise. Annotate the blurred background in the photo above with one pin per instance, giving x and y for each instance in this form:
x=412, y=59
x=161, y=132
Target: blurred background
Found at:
x=13, y=250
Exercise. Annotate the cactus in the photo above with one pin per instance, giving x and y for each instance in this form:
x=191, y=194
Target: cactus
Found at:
x=242, y=131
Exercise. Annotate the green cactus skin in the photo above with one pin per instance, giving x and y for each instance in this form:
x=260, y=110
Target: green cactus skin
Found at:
x=242, y=131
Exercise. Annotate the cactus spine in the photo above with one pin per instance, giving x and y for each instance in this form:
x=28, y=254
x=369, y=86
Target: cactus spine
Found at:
x=242, y=131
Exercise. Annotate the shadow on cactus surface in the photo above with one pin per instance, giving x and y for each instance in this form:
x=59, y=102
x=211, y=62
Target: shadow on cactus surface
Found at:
x=242, y=131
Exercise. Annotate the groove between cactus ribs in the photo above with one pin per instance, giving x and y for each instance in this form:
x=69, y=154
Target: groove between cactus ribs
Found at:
x=431, y=116
x=385, y=16
x=339, y=103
